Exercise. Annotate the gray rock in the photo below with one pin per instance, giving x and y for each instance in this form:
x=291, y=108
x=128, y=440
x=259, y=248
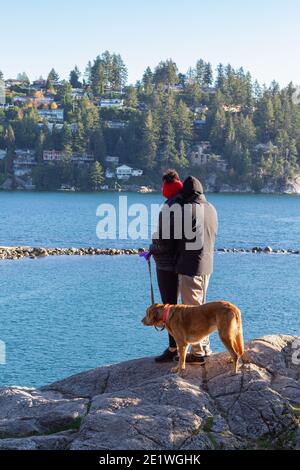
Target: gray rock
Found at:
x=60, y=441
x=140, y=405
x=24, y=412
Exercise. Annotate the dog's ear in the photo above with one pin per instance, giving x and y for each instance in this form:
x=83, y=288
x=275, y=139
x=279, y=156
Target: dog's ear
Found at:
x=152, y=312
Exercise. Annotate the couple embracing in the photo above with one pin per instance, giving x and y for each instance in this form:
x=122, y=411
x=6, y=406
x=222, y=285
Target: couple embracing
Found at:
x=183, y=267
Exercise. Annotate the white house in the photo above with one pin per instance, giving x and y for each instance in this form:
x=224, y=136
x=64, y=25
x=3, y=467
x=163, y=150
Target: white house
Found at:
x=111, y=103
x=52, y=115
x=136, y=172
x=53, y=156
x=124, y=172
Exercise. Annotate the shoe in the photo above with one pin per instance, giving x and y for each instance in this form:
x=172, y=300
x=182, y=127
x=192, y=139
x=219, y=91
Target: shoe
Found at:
x=166, y=356
x=193, y=359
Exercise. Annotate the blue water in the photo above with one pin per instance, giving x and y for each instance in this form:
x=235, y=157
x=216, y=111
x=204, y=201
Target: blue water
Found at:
x=61, y=315
x=69, y=219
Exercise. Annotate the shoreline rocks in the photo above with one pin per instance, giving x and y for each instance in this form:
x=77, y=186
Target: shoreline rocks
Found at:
x=139, y=404
x=20, y=252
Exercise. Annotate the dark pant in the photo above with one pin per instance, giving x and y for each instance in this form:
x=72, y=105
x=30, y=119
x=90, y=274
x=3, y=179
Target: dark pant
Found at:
x=168, y=288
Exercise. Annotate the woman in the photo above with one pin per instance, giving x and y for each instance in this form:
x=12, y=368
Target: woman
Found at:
x=163, y=251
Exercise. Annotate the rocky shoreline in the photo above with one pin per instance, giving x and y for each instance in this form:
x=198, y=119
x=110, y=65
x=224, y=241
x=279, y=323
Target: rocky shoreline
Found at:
x=20, y=252
x=140, y=405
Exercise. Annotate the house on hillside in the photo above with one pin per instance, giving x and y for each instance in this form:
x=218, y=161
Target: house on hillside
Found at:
x=82, y=158
x=53, y=156
x=11, y=82
x=111, y=103
x=39, y=84
x=116, y=124
x=201, y=155
x=232, y=108
x=24, y=162
x=77, y=158
x=124, y=172
x=52, y=115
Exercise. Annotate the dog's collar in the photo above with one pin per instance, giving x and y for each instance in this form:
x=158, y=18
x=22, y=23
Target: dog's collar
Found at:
x=166, y=313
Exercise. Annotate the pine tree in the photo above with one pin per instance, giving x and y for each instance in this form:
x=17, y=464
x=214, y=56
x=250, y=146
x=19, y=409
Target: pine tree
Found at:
x=96, y=176
x=208, y=75
x=199, y=72
x=132, y=97
x=74, y=77
x=52, y=79
x=168, y=146
x=220, y=77
x=217, y=132
x=149, y=139
x=67, y=140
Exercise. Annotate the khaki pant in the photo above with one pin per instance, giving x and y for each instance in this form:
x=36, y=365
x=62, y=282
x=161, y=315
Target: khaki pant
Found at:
x=193, y=292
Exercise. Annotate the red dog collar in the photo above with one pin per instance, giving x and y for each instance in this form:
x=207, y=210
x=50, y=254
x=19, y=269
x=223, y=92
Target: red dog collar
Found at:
x=166, y=313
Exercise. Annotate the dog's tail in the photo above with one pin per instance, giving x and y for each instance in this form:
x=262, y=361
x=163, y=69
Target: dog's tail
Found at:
x=239, y=338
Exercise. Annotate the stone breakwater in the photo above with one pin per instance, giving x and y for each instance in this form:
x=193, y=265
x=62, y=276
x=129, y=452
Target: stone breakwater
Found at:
x=140, y=405
x=20, y=252
x=40, y=252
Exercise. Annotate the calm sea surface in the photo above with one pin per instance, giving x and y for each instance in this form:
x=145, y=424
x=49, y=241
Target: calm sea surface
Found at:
x=61, y=315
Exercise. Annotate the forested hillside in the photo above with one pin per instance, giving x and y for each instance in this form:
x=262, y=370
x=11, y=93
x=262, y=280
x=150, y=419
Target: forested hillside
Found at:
x=154, y=124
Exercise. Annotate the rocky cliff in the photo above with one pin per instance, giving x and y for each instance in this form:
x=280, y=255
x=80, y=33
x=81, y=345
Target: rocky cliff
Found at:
x=140, y=405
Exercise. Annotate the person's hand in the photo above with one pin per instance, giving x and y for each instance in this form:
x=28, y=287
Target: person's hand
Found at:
x=146, y=255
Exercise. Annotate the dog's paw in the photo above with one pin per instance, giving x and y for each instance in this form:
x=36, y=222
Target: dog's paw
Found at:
x=175, y=369
x=182, y=373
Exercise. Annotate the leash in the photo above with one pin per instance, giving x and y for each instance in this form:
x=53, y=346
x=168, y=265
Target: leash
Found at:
x=152, y=290
x=151, y=282
x=148, y=258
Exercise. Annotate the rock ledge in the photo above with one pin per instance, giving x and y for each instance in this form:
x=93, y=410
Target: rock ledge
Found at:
x=140, y=405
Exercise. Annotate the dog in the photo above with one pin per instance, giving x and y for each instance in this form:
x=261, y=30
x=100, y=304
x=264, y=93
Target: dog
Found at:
x=188, y=324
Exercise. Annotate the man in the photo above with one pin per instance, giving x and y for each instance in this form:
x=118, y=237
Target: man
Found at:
x=194, y=262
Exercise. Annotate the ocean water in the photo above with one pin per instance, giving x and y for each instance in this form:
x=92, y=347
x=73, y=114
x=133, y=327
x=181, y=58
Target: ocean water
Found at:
x=62, y=315
x=69, y=219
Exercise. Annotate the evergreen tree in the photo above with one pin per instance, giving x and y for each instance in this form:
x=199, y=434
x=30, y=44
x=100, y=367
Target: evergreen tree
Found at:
x=166, y=73
x=199, y=72
x=150, y=141
x=208, y=74
x=96, y=176
x=23, y=77
x=52, y=78
x=74, y=77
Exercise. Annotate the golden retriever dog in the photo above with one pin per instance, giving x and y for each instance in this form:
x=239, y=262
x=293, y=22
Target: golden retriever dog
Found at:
x=188, y=324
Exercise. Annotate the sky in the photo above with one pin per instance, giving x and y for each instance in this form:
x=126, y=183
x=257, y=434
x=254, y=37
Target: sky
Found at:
x=263, y=36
